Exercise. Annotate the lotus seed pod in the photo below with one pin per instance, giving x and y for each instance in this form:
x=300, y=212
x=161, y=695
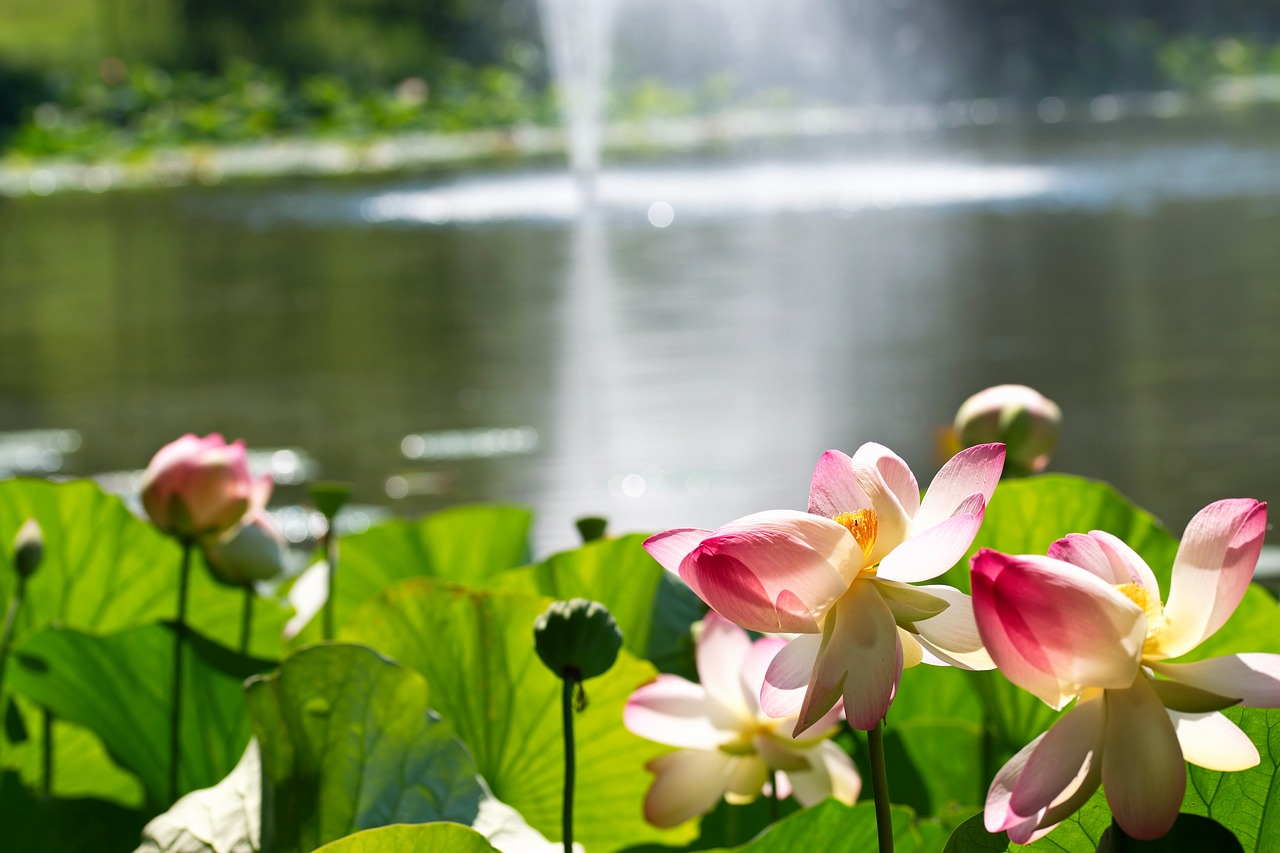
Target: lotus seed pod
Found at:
x=28, y=548
x=577, y=639
x=329, y=497
x=591, y=528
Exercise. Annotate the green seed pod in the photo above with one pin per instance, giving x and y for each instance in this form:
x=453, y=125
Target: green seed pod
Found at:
x=591, y=528
x=328, y=497
x=28, y=548
x=577, y=639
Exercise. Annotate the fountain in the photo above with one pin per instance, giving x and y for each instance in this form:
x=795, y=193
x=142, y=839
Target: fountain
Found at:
x=579, y=35
x=794, y=51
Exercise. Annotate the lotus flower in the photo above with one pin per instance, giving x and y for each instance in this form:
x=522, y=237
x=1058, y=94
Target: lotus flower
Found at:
x=197, y=487
x=729, y=747
x=1086, y=623
x=840, y=576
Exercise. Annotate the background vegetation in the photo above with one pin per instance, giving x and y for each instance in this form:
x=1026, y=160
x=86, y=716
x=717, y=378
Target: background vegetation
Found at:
x=93, y=77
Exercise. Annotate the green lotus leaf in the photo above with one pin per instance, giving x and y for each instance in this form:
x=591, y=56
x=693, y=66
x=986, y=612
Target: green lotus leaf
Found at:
x=118, y=686
x=463, y=545
x=653, y=608
x=436, y=837
x=348, y=743
x=476, y=650
x=105, y=570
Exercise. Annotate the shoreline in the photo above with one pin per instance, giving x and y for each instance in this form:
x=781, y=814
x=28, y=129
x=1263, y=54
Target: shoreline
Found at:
x=311, y=157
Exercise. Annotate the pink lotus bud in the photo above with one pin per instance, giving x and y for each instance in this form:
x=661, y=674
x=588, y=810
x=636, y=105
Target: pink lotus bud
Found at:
x=199, y=487
x=1022, y=418
x=252, y=551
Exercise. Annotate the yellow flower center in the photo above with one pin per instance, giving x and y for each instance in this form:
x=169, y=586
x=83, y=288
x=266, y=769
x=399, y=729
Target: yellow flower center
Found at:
x=745, y=744
x=1151, y=606
x=863, y=526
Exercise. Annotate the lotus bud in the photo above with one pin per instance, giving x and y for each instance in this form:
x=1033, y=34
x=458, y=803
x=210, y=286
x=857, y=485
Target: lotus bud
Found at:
x=200, y=487
x=28, y=548
x=1022, y=418
x=577, y=639
x=252, y=551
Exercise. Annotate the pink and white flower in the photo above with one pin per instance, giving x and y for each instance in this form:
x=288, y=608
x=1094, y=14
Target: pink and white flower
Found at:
x=197, y=487
x=729, y=748
x=841, y=577
x=1086, y=623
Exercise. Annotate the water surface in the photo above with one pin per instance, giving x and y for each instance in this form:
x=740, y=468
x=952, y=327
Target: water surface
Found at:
x=683, y=354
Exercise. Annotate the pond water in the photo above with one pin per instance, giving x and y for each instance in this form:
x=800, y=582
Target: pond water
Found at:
x=684, y=353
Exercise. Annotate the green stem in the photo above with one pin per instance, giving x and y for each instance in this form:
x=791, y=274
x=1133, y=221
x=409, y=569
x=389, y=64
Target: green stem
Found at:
x=732, y=818
x=773, y=796
x=880, y=784
x=246, y=620
x=988, y=747
x=175, y=710
x=47, y=756
x=10, y=623
x=331, y=556
x=566, y=826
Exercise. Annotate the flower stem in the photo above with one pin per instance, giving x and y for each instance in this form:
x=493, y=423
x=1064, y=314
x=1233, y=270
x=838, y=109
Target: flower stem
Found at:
x=10, y=623
x=46, y=777
x=880, y=784
x=331, y=556
x=6, y=637
x=246, y=620
x=773, y=796
x=175, y=710
x=566, y=826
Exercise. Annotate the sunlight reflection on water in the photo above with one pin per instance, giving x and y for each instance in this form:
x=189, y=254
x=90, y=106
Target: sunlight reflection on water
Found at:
x=758, y=190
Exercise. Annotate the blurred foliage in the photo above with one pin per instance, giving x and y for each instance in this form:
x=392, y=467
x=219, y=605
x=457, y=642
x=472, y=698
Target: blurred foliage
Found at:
x=1032, y=48
x=1194, y=61
x=117, y=107
x=100, y=78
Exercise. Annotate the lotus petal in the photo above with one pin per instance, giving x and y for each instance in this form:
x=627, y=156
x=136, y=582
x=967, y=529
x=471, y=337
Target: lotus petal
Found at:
x=1212, y=570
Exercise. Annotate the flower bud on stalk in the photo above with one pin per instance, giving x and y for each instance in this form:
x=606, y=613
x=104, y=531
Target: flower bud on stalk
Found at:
x=28, y=551
x=1026, y=421
x=576, y=640
x=28, y=548
x=329, y=498
x=250, y=552
x=197, y=487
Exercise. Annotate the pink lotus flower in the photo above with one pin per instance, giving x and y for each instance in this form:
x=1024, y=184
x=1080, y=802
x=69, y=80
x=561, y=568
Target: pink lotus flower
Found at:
x=198, y=487
x=1086, y=622
x=729, y=747
x=840, y=576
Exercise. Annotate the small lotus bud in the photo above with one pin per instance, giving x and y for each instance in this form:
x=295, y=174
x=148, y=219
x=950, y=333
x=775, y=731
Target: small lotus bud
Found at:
x=329, y=497
x=250, y=552
x=28, y=548
x=577, y=639
x=1022, y=418
x=591, y=528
